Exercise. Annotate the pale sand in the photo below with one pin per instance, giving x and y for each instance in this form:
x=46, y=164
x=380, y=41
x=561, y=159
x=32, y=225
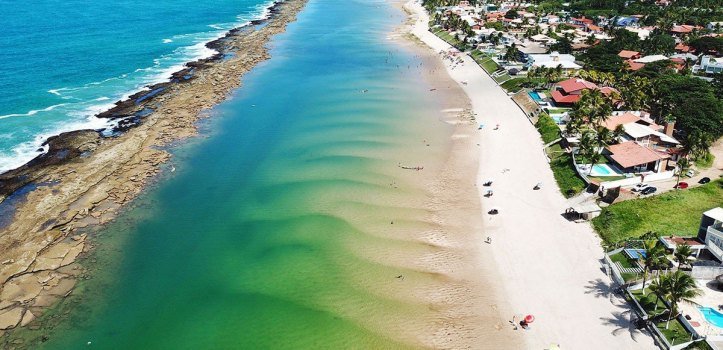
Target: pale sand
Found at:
x=551, y=266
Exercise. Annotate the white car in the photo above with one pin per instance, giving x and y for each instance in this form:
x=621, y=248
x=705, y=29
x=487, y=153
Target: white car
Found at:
x=639, y=187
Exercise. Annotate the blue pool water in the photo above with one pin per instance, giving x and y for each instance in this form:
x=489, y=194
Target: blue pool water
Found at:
x=635, y=253
x=64, y=61
x=535, y=96
x=712, y=316
x=602, y=169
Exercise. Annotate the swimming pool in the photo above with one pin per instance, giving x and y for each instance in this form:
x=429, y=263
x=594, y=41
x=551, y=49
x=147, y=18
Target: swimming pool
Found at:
x=635, y=253
x=602, y=170
x=558, y=118
x=712, y=316
x=599, y=170
x=535, y=96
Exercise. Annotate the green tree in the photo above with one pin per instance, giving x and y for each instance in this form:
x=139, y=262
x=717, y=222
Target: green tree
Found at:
x=593, y=106
x=512, y=53
x=678, y=287
x=563, y=45
x=653, y=258
x=681, y=254
x=707, y=44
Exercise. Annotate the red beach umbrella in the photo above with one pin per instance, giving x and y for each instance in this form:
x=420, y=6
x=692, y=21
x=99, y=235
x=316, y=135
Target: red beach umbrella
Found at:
x=529, y=319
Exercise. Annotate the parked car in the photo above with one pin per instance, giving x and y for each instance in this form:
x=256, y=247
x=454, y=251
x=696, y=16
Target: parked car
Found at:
x=682, y=185
x=690, y=173
x=639, y=187
x=649, y=190
x=704, y=180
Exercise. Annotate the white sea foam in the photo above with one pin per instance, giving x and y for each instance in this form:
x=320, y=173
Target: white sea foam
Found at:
x=32, y=112
x=161, y=71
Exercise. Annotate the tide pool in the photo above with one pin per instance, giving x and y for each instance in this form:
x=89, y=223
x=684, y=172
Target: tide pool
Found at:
x=277, y=227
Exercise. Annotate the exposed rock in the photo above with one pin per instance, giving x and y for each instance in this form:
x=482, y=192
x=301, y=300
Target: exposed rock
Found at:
x=27, y=318
x=10, y=318
x=89, y=177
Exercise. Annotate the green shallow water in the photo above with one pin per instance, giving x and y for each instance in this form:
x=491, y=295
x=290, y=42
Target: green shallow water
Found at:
x=254, y=241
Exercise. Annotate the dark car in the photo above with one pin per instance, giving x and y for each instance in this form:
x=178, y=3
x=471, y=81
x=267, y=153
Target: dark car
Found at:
x=704, y=180
x=682, y=185
x=649, y=190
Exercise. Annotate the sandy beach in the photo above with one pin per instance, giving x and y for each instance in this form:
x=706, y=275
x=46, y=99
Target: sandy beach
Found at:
x=549, y=267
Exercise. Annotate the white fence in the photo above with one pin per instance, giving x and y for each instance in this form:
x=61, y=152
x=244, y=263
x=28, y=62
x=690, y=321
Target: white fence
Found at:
x=706, y=272
x=636, y=179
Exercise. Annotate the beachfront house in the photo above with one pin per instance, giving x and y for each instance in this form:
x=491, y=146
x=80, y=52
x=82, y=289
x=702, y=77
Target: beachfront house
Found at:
x=629, y=55
x=632, y=158
x=567, y=92
x=553, y=60
x=710, y=65
x=711, y=232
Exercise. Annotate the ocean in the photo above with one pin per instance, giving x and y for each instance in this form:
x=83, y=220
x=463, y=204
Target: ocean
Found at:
x=289, y=222
x=62, y=62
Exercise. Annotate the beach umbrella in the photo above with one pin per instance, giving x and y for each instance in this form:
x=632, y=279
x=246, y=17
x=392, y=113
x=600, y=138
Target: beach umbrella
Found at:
x=529, y=319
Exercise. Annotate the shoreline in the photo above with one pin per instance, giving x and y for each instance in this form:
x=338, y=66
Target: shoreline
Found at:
x=471, y=311
x=549, y=266
x=126, y=113
x=85, y=179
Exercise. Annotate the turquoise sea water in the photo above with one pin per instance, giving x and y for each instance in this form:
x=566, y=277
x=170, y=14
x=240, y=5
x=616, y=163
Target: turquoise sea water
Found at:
x=64, y=61
x=277, y=227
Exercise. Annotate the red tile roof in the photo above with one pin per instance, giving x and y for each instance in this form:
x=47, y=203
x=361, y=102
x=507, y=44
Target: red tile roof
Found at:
x=576, y=84
x=632, y=65
x=682, y=48
x=629, y=154
x=583, y=20
x=683, y=29
x=558, y=97
x=628, y=54
x=620, y=119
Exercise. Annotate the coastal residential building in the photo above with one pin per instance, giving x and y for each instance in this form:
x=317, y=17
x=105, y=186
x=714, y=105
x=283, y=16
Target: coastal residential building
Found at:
x=567, y=92
x=554, y=60
x=710, y=64
x=632, y=157
x=629, y=55
x=683, y=29
x=626, y=21
x=643, y=33
x=711, y=232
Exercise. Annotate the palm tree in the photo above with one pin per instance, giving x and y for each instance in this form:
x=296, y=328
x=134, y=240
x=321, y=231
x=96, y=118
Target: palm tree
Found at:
x=589, y=148
x=658, y=289
x=678, y=286
x=653, y=258
x=682, y=252
x=594, y=106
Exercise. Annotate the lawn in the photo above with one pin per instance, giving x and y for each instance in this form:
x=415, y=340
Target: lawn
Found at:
x=514, y=84
x=502, y=78
x=485, y=62
x=623, y=260
x=675, y=212
x=548, y=128
x=648, y=302
x=676, y=333
x=566, y=177
x=706, y=161
x=447, y=37
x=557, y=110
